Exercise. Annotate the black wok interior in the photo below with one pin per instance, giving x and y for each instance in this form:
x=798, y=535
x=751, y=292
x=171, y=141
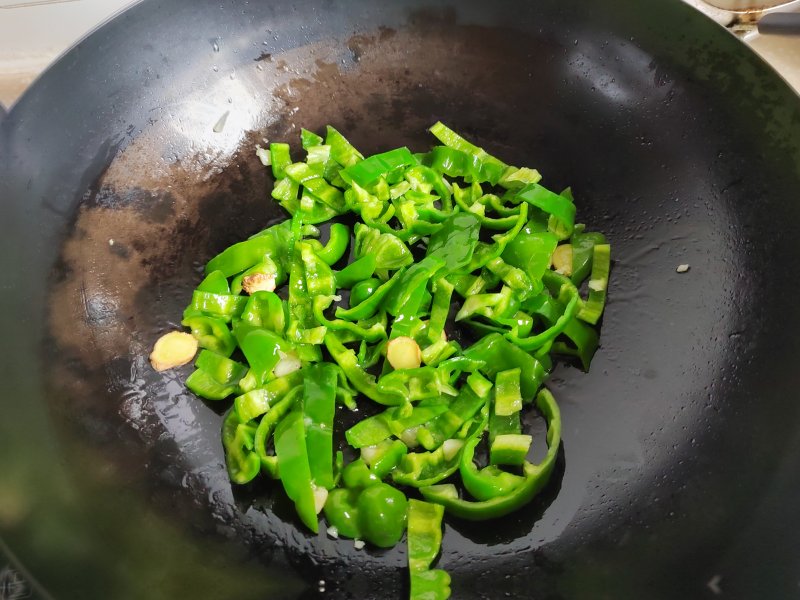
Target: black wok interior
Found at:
x=120, y=177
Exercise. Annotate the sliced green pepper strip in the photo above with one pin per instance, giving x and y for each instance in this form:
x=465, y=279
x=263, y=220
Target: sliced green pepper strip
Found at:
x=455, y=242
x=489, y=482
x=553, y=204
x=318, y=275
x=334, y=250
x=312, y=180
x=531, y=343
x=319, y=406
x=309, y=139
x=361, y=380
x=584, y=339
x=265, y=309
x=507, y=396
x=278, y=409
x=498, y=354
x=368, y=171
x=463, y=408
x=592, y=310
x=262, y=350
x=224, y=370
x=389, y=458
x=212, y=334
x=341, y=512
x=375, y=333
x=456, y=163
x=292, y=453
x=451, y=139
x=358, y=270
x=242, y=256
x=215, y=283
x=369, y=432
x=342, y=151
x=536, y=476
x=424, y=543
x=279, y=158
x=367, y=308
x=256, y=402
x=503, y=425
x=389, y=251
x=509, y=449
x=582, y=251
x=224, y=307
x=418, y=384
x=242, y=463
x=204, y=385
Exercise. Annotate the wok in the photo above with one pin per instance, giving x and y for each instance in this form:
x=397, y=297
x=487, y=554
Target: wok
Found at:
x=679, y=475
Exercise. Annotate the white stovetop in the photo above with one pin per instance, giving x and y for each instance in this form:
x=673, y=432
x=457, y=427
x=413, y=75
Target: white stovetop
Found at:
x=36, y=32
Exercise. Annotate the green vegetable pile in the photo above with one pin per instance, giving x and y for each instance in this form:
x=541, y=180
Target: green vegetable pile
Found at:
x=452, y=244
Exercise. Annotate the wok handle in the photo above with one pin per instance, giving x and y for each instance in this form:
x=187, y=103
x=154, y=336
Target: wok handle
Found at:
x=779, y=23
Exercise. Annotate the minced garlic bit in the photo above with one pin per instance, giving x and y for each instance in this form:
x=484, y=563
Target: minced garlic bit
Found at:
x=333, y=532
x=288, y=363
x=562, y=259
x=403, y=353
x=172, y=350
x=358, y=544
x=258, y=282
x=682, y=268
x=320, y=497
x=597, y=285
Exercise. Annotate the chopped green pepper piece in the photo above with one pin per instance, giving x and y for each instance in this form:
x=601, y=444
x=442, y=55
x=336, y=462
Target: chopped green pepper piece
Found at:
x=290, y=447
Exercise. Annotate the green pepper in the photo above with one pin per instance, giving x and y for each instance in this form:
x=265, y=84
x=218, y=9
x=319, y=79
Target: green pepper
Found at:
x=338, y=240
x=341, y=512
x=418, y=384
x=509, y=449
x=312, y=179
x=582, y=250
x=559, y=206
x=357, y=475
x=361, y=380
x=389, y=251
x=424, y=543
x=374, y=333
x=334, y=250
x=364, y=289
x=507, y=396
x=278, y=408
x=385, y=457
x=240, y=257
x=455, y=241
x=265, y=309
x=212, y=334
x=237, y=439
x=535, y=476
x=369, y=306
x=318, y=275
x=342, y=151
x=309, y=138
x=368, y=171
x=598, y=283
x=319, y=405
x=262, y=349
x=382, y=511
x=290, y=447
x=465, y=406
x=489, y=482
x=357, y=271
x=498, y=354
x=255, y=403
x=279, y=159
x=224, y=307
x=204, y=385
x=215, y=283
